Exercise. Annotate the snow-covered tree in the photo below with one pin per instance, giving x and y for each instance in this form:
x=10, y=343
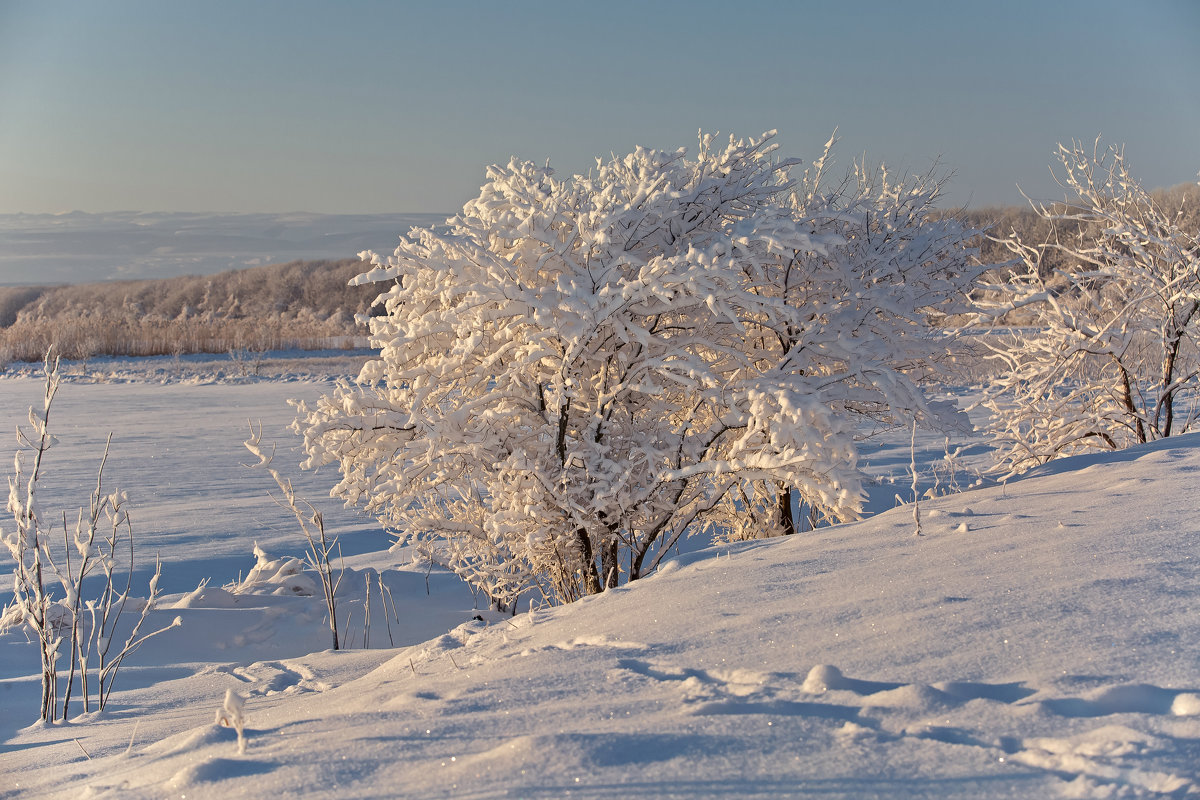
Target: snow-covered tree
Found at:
x=1109, y=357
x=574, y=374
x=866, y=307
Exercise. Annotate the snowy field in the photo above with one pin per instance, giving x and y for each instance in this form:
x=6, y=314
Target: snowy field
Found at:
x=1040, y=640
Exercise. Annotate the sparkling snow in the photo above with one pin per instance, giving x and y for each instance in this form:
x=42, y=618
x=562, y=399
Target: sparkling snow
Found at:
x=1040, y=640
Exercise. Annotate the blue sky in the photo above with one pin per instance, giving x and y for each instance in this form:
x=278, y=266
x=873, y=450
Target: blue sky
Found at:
x=398, y=107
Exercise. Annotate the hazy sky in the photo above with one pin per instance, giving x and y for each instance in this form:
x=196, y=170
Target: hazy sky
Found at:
x=391, y=106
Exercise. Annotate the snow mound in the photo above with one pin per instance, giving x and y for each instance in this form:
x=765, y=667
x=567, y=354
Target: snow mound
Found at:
x=822, y=678
x=205, y=596
x=276, y=576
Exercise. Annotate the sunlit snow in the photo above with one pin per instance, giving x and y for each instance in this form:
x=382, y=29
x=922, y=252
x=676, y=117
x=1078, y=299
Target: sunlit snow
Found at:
x=1039, y=640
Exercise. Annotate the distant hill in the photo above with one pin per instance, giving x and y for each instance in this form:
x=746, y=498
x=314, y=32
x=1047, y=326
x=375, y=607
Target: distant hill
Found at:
x=304, y=304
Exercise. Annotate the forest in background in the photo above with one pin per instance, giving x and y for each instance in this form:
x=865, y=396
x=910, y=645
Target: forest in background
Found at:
x=300, y=304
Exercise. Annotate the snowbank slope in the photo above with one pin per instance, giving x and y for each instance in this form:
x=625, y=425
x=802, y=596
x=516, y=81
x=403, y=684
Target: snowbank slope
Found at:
x=1038, y=641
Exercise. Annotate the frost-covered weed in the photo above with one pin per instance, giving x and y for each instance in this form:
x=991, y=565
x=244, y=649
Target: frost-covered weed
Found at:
x=50, y=599
x=275, y=576
x=312, y=524
x=232, y=714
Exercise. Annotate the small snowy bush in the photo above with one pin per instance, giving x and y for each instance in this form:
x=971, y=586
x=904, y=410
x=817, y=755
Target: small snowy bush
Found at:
x=1110, y=354
x=574, y=374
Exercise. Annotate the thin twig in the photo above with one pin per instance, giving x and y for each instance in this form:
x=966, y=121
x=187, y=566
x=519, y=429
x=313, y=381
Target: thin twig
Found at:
x=912, y=454
x=367, y=611
x=383, y=603
x=131, y=736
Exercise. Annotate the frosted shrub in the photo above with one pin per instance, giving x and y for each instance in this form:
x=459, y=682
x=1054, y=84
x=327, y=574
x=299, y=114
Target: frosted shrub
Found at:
x=574, y=374
x=865, y=310
x=1111, y=354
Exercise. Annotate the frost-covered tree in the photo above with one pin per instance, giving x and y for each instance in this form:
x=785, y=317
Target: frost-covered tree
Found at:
x=574, y=374
x=865, y=307
x=1109, y=357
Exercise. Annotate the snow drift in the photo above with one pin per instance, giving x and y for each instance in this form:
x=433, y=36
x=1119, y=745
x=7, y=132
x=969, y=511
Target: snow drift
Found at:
x=1037, y=641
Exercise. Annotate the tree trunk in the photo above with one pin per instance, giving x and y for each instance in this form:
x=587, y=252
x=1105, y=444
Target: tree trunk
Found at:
x=591, y=580
x=786, y=514
x=608, y=562
x=1130, y=406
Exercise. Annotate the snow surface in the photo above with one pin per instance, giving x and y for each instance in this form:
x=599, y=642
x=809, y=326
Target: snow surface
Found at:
x=1038, y=641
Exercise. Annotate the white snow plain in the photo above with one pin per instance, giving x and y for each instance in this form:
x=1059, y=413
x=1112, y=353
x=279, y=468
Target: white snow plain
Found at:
x=1039, y=640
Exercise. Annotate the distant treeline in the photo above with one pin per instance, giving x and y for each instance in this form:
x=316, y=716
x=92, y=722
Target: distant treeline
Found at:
x=1183, y=201
x=301, y=304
